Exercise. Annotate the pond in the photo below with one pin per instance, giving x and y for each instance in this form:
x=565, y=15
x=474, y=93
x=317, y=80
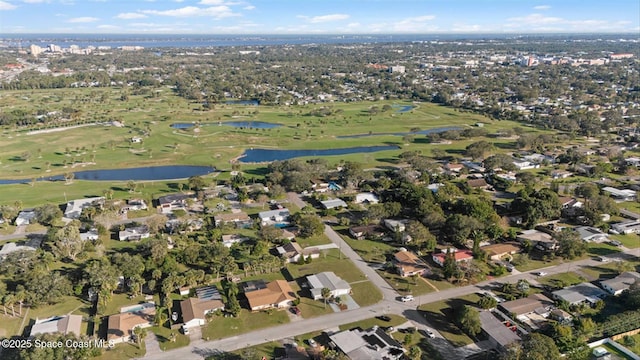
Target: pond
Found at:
x=169, y=172
x=237, y=124
x=421, y=132
x=402, y=108
x=242, y=102
x=268, y=155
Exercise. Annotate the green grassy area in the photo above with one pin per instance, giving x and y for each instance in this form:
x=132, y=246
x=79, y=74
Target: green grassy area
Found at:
x=371, y=251
x=617, y=354
x=533, y=264
x=163, y=335
x=313, y=240
x=405, y=285
x=601, y=249
x=11, y=324
x=258, y=351
x=631, y=241
x=365, y=293
x=123, y=352
x=308, y=307
x=121, y=300
x=340, y=265
x=367, y=323
x=562, y=279
x=610, y=269
x=441, y=316
x=221, y=327
x=635, y=348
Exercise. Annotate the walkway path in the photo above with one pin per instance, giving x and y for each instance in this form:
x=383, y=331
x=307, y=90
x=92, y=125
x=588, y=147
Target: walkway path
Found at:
x=151, y=344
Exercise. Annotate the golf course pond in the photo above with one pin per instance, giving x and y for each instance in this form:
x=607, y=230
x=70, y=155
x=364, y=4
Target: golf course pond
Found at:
x=268, y=155
x=237, y=124
x=137, y=174
x=421, y=132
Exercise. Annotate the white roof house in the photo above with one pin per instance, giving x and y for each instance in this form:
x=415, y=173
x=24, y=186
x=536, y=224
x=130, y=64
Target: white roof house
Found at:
x=329, y=280
x=395, y=225
x=366, y=197
x=135, y=233
x=589, y=234
x=74, y=207
x=333, y=203
x=626, y=227
x=580, y=293
x=12, y=247
x=620, y=195
x=274, y=216
x=58, y=324
x=25, y=217
x=620, y=283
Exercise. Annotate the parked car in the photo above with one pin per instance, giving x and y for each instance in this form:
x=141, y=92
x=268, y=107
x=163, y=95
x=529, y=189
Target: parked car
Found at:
x=407, y=298
x=540, y=273
x=602, y=259
x=295, y=310
x=390, y=329
x=312, y=343
x=615, y=243
x=185, y=330
x=383, y=318
x=429, y=334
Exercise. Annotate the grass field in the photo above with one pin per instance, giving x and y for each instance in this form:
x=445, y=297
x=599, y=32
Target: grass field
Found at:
x=441, y=316
x=221, y=327
x=636, y=347
x=562, y=279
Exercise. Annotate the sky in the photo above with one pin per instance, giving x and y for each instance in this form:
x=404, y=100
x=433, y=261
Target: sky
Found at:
x=319, y=16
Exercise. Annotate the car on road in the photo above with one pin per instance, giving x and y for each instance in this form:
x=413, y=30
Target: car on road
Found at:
x=312, y=343
x=539, y=273
x=383, y=318
x=602, y=259
x=407, y=298
x=430, y=334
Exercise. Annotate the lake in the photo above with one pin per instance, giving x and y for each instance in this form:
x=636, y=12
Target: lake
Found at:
x=268, y=155
x=169, y=172
x=237, y=124
x=402, y=108
x=421, y=132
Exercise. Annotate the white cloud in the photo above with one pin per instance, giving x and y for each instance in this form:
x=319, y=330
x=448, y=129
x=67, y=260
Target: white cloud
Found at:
x=536, y=19
x=108, y=27
x=128, y=16
x=218, y=12
x=83, y=19
x=542, y=7
x=211, y=2
x=6, y=6
x=414, y=24
x=36, y=1
x=249, y=7
x=541, y=23
x=324, y=18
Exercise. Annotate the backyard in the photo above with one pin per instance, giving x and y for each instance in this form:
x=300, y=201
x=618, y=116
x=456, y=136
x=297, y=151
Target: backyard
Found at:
x=441, y=316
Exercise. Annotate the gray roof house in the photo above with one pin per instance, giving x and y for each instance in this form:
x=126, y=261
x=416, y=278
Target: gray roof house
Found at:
x=581, y=293
x=620, y=283
x=274, y=216
x=333, y=203
x=499, y=334
x=589, y=234
x=328, y=280
x=58, y=324
x=370, y=344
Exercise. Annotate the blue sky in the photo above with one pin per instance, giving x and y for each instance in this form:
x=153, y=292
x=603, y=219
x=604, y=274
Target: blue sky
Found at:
x=318, y=16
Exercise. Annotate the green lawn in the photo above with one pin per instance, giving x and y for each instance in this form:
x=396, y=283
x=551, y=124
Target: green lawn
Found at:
x=121, y=300
x=601, y=249
x=636, y=347
x=441, y=316
x=367, y=323
x=365, y=293
x=339, y=264
x=370, y=251
x=123, y=351
x=406, y=285
x=163, y=335
x=631, y=241
x=221, y=327
x=562, y=279
x=532, y=264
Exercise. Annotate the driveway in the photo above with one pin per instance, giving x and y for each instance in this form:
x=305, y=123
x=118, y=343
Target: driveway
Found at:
x=152, y=345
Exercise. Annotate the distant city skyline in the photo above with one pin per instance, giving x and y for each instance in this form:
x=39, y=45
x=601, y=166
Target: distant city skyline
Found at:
x=318, y=17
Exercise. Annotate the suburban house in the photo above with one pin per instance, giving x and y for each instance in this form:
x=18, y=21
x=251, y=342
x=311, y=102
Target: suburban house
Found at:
x=194, y=310
x=74, y=207
x=276, y=294
x=292, y=252
x=273, y=217
x=561, y=174
x=499, y=251
x=25, y=217
x=67, y=324
x=366, y=231
x=531, y=311
x=458, y=256
x=570, y=206
x=120, y=326
x=395, y=225
x=134, y=233
x=333, y=204
x=541, y=240
x=91, y=235
x=408, y=264
x=591, y=234
x=370, y=344
x=240, y=219
x=584, y=293
x=329, y=280
x=501, y=334
x=30, y=245
x=620, y=283
x=620, y=195
x=453, y=168
x=366, y=197
x=134, y=205
x=478, y=184
x=229, y=240
x=626, y=227
x=168, y=203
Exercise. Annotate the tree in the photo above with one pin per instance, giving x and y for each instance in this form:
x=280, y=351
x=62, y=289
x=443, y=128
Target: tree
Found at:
x=570, y=246
x=140, y=333
x=66, y=242
x=487, y=302
x=478, y=150
x=326, y=294
x=309, y=225
x=270, y=233
x=47, y=214
x=469, y=319
x=196, y=183
x=534, y=346
x=415, y=353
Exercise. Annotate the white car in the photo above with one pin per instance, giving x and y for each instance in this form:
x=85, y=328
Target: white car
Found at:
x=430, y=334
x=407, y=298
x=312, y=343
x=540, y=273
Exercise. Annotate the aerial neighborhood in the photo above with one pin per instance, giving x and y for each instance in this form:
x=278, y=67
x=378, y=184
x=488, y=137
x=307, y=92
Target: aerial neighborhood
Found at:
x=450, y=218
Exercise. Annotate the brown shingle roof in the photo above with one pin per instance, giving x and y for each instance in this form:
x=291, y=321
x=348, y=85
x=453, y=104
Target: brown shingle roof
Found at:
x=527, y=305
x=194, y=308
x=121, y=324
x=275, y=292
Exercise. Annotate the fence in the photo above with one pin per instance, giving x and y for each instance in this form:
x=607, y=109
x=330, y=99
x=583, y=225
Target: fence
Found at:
x=615, y=345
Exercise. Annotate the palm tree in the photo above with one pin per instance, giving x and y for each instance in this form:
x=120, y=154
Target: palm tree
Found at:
x=326, y=294
x=10, y=300
x=161, y=317
x=140, y=334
